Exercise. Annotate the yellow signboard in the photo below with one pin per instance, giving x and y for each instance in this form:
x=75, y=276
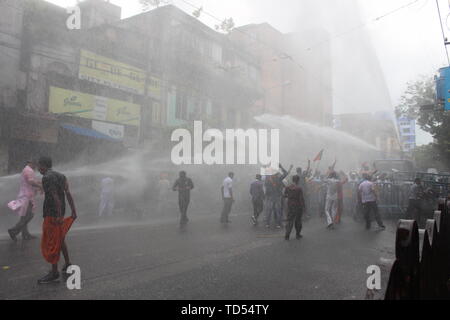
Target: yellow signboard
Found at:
x=78, y=104
x=111, y=73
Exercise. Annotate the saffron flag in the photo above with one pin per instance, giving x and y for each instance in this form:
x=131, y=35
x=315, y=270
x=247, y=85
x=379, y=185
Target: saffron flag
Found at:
x=319, y=156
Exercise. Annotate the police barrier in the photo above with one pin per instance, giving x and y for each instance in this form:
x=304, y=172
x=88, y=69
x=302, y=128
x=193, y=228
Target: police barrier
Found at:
x=429, y=263
x=393, y=192
x=427, y=276
x=404, y=278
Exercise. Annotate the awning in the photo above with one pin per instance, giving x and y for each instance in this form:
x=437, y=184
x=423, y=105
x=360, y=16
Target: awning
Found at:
x=88, y=132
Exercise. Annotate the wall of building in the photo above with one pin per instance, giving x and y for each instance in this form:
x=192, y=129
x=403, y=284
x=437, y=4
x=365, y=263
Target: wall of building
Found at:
x=98, y=12
x=294, y=82
x=220, y=83
x=374, y=129
x=310, y=94
x=11, y=15
x=203, y=66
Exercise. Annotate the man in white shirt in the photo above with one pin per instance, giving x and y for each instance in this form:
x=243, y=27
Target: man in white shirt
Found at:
x=24, y=206
x=227, y=196
x=368, y=198
x=163, y=192
x=331, y=198
x=107, y=197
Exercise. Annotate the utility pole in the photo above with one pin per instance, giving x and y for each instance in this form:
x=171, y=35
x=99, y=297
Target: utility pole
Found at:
x=446, y=42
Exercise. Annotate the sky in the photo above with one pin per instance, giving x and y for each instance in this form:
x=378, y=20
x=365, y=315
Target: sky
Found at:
x=374, y=59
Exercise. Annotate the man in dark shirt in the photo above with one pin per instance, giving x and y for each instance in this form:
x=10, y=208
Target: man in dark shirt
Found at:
x=55, y=228
x=304, y=175
x=296, y=206
x=184, y=186
x=415, y=203
x=257, y=193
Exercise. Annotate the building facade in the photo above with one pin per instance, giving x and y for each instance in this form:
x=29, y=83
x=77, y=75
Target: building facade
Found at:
x=114, y=84
x=294, y=81
x=378, y=129
x=407, y=130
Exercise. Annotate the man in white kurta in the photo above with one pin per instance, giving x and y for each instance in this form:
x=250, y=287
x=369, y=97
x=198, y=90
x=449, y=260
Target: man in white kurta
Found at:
x=331, y=199
x=107, y=197
x=25, y=205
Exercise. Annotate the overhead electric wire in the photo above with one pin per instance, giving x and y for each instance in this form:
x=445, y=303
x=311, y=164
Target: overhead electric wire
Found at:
x=289, y=57
x=363, y=25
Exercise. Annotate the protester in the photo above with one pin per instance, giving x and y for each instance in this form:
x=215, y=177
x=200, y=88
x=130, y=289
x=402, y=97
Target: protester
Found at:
x=314, y=194
x=163, y=190
x=353, y=202
x=274, y=191
x=106, y=197
x=322, y=196
x=183, y=185
x=296, y=207
x=25, y=205
x=304, y=177
x=369, y=199
x=257, y=193
x=365, y=170
x=343, y=179
x=227, y=197
x=331, y=203
x=55, y=227
x=415, y=202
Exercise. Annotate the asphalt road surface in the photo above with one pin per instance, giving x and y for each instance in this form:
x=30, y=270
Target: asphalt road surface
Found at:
x=156, y=260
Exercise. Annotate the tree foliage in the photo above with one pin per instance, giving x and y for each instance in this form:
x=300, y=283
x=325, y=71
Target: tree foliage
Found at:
x=428, y=156
x=432, y=119
x=226, y=26
x=197, y=13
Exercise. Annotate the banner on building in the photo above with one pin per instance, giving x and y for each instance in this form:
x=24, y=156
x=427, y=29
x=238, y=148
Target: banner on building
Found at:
x=111, y=73
x=115, y=131
x=78, y=104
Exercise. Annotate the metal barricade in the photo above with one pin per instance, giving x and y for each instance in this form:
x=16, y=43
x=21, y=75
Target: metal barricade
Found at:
x=427, y=276
x=429, y=263
x=392, y=198
x=404, y=278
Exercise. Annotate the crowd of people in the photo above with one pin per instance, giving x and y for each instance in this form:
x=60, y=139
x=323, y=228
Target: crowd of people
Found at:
x=283, y=204
x=311, y=194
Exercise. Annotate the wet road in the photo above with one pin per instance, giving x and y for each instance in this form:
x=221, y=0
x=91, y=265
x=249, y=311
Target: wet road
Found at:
x=157, y=260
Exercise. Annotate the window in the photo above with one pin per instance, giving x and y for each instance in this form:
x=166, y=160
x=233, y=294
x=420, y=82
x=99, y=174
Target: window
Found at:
x=156, y=112
x=181, y=106
x=207, y=50
x=217, y=53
